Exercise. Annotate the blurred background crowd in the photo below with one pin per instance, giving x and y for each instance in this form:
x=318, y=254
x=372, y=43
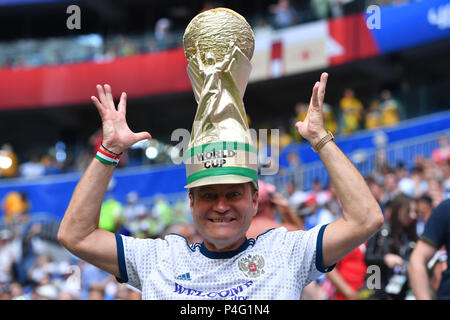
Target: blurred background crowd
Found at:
x=34, y=266
x=166, y=33
x=389, y=113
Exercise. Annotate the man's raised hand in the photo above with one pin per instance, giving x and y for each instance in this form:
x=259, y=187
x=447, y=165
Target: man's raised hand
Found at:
x=312, y=127
x=117, y=136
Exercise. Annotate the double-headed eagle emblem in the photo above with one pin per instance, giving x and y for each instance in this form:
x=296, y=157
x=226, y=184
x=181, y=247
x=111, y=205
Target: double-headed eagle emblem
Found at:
x=252, y=266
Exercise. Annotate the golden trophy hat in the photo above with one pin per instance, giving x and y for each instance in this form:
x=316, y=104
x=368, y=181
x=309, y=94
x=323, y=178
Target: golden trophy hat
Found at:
x=218, y=45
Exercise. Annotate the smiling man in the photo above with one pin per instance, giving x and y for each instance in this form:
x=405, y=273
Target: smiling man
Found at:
x=276, y=265
x=222, y=213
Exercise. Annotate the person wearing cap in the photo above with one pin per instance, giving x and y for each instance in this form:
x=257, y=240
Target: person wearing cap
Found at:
x=227, y=265
x=222, y=183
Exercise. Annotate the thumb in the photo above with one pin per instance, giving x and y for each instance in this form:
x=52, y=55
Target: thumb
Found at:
x=142, y=135
x=298, y=125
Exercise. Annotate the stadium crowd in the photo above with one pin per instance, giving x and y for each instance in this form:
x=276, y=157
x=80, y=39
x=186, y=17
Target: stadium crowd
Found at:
x=34, y=266
x=28, y=53
x=349, y=116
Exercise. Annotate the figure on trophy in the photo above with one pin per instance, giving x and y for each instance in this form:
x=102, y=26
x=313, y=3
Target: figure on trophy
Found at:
x=219, y=44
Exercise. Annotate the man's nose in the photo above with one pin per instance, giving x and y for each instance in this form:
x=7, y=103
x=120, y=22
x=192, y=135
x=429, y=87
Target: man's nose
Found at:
x=221, y=205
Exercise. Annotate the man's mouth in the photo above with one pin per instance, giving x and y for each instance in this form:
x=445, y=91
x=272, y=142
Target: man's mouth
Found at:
x=218, y=220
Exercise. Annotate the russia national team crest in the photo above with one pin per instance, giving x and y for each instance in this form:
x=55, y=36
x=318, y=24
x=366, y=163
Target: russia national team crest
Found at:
x=252, y=266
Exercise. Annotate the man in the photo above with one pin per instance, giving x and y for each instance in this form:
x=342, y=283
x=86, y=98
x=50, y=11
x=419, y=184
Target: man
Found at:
x=435, y=235
x=226, y=265
x=270, y=201
x=424, y=210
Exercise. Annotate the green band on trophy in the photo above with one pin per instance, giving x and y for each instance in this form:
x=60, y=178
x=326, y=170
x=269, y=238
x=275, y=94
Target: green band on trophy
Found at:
x=245, y=172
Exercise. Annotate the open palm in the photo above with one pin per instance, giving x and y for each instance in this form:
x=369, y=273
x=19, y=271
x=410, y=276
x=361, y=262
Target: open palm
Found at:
x=312, y=127
x=117, y=136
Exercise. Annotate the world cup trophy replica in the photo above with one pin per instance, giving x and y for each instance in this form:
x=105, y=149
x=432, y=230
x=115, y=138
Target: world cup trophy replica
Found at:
x=219, y=45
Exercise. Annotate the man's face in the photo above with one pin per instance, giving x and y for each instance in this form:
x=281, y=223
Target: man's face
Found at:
x=423, y=209
x=222, y=213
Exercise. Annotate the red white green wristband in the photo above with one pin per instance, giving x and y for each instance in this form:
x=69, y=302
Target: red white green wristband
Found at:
x=107, y=158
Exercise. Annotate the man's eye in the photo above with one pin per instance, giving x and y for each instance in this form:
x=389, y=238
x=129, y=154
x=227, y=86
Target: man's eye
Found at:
x=234, y=194
x=208, y=196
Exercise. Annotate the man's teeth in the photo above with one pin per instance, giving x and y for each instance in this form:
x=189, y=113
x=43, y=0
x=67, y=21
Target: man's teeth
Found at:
x=222, y=220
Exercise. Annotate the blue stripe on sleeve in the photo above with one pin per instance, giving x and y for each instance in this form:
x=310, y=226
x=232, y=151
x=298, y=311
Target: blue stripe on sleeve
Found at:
x=319, y=253
x=121, y=260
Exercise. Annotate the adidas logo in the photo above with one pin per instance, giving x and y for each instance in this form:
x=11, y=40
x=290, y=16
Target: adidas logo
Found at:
x=185, y=276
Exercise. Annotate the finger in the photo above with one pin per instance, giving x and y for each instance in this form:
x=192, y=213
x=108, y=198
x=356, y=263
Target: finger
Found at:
x=122, y=107
x=142, y=135
x=101, y=95
x=314, y=96
x=98, y=105
x=322, y=87
x=109, y=96
x=298, y=125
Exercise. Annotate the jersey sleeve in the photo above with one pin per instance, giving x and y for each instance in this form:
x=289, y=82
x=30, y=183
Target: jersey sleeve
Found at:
x=437, y=225
x=305, y=255
x=136, y=257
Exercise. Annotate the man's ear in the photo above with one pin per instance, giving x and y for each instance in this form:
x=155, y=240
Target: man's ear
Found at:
x=191, y=198
x=255, y=201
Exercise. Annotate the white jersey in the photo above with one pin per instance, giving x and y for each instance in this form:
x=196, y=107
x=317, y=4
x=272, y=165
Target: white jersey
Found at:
x=276, y=265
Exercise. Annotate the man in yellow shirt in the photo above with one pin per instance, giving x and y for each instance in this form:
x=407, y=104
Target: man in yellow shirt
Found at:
x=390, y=109
x=351, y=108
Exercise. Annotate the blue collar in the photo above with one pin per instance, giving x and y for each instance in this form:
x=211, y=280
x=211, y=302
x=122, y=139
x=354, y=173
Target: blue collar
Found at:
x=224, y=254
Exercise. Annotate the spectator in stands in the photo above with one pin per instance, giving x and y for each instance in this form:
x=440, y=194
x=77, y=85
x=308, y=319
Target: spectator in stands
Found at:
x=435, y=191
x=373, y=116
x=293, y=168
x=329, y=118
x=132, y=211
x=391, y=111
x=28, y=255
x=269, y=203
x=390, y=187
x=351, y=109
x=9, y=162
x=390, y=248
x=435, y=236
x=91, y=277
x=110, y=214
x=284, y=15
x=405, y=183
x=376, y=187
x=349, y=275
x=424, y=209
x=14, y=204
x=314, y=214
x=162, y=33
x=142, y=225
x=51, y=165
x=442, y=154
x=32, y=169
